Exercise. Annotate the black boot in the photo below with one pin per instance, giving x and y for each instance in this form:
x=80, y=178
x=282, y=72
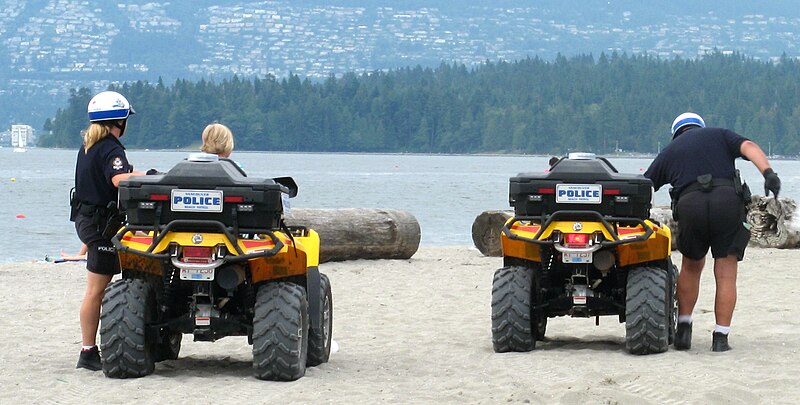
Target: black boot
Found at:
x=683, y=336
x=719, y=342
x=90, y=359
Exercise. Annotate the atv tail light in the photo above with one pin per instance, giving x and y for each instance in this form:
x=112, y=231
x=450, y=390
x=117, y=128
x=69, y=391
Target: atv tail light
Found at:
x=233, y=199
x=547, y=191
x=576, y=239
x=197, y=254
x=159, y=197
x=611, y=191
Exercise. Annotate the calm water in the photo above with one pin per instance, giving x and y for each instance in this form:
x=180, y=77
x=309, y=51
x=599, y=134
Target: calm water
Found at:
x=445, y=193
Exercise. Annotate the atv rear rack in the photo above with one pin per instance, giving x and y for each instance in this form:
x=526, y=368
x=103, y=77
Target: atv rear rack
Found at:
x=183, y=223
x=570, y=215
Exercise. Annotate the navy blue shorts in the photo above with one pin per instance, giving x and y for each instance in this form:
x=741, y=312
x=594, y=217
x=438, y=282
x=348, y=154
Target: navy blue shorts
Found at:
x=712, y=220
x=101, y=258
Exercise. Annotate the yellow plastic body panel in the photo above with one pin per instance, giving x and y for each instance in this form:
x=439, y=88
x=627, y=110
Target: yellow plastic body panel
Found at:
x=656, y=247
x=297, y=254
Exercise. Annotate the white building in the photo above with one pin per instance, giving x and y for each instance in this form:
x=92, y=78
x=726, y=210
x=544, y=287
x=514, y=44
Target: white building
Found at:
x=20, y=135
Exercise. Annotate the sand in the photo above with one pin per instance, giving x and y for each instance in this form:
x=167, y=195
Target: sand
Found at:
x=418, y=331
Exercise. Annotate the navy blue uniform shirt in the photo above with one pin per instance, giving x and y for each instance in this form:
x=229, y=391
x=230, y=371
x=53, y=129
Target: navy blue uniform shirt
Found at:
x=95, y=168
x=695, y=152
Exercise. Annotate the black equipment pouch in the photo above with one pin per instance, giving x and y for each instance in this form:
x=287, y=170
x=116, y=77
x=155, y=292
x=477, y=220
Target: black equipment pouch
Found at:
x=673, y=203
x=113, y=220
x=705, y=182
x=73, y=205
x=742, y=190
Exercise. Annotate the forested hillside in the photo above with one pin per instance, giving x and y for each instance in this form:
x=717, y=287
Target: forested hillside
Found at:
x=531, y=106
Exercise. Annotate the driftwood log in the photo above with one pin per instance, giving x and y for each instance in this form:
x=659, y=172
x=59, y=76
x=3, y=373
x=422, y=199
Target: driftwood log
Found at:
x=486, y=231
x=772, y=224
x=360, y=233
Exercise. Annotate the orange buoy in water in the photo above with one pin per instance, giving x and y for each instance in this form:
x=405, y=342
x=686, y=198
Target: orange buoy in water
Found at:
x=20, y=216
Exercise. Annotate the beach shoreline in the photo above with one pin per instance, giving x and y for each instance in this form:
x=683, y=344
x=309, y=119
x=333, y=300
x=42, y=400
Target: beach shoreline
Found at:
x=418, y=331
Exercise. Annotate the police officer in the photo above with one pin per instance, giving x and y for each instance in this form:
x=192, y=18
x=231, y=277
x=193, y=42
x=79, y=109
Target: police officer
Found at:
x=699, y=164
x=101, y=165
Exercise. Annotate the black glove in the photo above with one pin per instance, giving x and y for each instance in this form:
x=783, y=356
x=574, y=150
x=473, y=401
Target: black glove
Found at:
x=153, y=171
x=771, y=183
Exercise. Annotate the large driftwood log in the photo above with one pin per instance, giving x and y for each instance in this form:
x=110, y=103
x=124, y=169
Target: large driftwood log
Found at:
x=360, y=233
x=773, y=223
x=486, y=231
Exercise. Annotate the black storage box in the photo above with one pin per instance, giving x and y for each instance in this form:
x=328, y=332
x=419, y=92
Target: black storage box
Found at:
x=582, y=182
x=203, y=190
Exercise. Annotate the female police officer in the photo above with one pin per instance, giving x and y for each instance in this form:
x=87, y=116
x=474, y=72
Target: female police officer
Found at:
x=101, y=165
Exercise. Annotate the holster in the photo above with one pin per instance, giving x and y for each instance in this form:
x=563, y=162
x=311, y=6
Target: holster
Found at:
x=742, y=190
x=112, y=220
x=73, y=205
x=673, y=203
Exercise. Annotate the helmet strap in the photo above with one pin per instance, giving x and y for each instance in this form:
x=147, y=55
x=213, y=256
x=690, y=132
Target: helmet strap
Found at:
x=121, y=125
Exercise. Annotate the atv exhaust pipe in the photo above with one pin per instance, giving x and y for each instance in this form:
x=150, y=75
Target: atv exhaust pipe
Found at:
x=229, y=276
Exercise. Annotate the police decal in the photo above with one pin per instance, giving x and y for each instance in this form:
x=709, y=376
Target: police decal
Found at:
x=117, y=163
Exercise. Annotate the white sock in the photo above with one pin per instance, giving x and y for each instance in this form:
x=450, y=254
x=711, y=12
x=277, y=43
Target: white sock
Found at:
x=684, y=319
x=87, y=348
x=722, y=329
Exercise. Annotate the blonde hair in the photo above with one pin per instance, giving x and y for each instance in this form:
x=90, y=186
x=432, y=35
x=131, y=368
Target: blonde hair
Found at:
x=217, y=139
x=96, y=132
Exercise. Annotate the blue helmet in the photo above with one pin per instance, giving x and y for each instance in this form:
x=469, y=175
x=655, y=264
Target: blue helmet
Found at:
x=687, y=119
x=109, y=105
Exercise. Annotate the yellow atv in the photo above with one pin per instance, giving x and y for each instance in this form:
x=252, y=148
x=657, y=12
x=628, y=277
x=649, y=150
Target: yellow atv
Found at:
x=580, y=244
x=204, y=251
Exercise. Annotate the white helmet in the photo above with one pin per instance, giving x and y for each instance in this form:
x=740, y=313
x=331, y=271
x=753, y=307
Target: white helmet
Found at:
x=687, y=119
x=109, y=105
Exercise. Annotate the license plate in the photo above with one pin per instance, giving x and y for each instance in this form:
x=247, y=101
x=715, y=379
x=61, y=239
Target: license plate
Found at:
x=197, y=274
x=579, y=193
x=196, y=200
x=576, y=257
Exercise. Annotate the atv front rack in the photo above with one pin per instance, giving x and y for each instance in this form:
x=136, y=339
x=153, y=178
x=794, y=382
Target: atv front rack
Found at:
x=570, y=215
x=204, y=224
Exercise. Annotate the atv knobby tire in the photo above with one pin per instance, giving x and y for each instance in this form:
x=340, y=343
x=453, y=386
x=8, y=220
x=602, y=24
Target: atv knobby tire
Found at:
x=512, y=315
x=280, y=332
x=646, y=317
x=128, y=306
x=319, y=339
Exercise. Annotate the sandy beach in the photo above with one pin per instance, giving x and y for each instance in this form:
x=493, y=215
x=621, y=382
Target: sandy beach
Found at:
x=418, y=331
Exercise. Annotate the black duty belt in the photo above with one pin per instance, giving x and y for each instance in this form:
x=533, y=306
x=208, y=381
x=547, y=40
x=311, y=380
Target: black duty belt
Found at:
x=696, y=186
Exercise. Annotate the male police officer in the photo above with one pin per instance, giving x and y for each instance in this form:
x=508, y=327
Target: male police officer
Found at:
x=699, y=164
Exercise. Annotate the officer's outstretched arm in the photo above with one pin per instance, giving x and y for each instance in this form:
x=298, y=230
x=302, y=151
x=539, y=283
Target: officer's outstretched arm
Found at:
x=124, y=176
x=753, y=152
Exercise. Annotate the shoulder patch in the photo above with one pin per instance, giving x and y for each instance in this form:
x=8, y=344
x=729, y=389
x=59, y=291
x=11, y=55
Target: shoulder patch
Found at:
x=117, y=163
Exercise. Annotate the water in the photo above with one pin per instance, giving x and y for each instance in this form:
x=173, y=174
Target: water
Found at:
x=444, y=192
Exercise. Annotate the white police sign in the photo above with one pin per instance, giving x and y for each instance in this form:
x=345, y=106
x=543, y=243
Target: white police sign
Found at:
x=579, y=193
x=196, y=200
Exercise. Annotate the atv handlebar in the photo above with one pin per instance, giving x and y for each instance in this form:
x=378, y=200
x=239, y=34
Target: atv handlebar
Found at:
x=571, y=214
x=170, y=227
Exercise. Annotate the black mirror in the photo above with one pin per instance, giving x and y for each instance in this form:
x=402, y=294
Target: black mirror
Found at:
x=289, y=183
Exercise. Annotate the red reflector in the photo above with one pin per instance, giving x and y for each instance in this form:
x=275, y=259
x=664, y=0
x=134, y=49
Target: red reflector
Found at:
x=577, y=238
x=197, y=251
x=547, y=191
x=233, y=199
x=159, y=197
x=611, y=191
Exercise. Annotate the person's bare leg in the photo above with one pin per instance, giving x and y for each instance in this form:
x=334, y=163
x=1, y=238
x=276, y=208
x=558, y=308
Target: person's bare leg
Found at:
x=725, y=270
x=90, y=307
x=689, y=284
